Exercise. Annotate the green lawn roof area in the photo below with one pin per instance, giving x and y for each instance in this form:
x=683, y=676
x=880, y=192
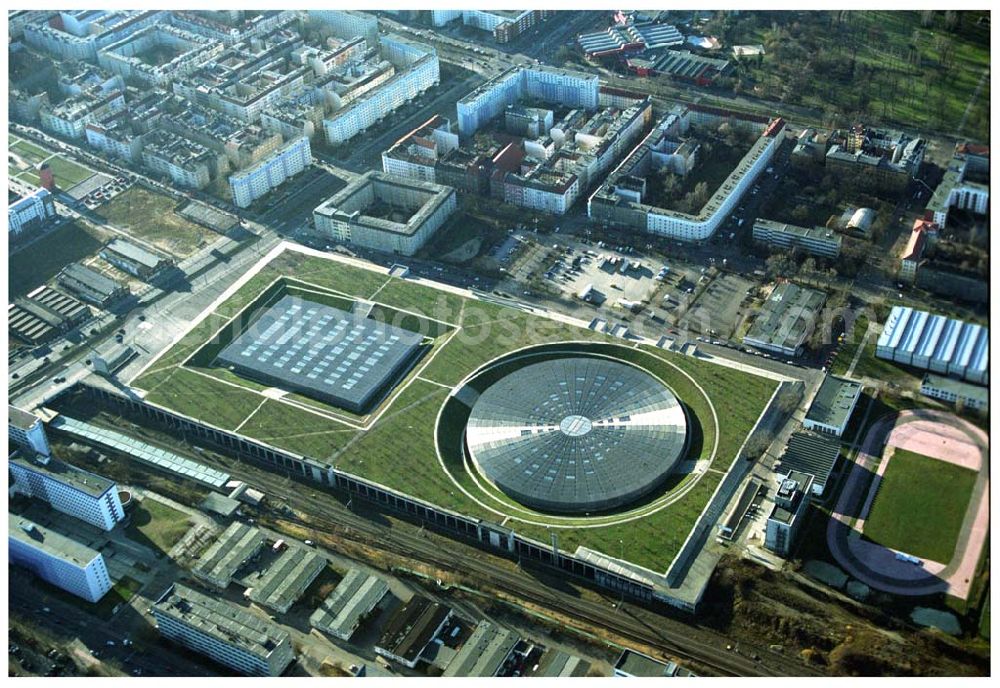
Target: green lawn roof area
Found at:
x=920, y=505
x=396, y=445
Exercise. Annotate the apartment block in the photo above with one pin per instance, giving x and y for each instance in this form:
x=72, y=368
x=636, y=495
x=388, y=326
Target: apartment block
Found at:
x=57, y=559
x=256, y=181
x=71, y=490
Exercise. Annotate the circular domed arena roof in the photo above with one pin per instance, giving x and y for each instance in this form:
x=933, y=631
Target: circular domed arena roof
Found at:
x=576, y=434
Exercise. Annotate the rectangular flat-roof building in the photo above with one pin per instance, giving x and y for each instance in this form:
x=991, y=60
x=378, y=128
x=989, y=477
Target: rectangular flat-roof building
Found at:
x=955, y=392
x=346, y=359
x=813, y=454
x=635, y=664
x=287, y=578
x=411, y=629
x=818, y=241
x=832, y=406
x=355, y=597
x=932, y=342
x=484, y=653
x=224, y=632
x=786, y=319
x=560, y=664
x=237, y=544
x=71, y=490
x=55, y=558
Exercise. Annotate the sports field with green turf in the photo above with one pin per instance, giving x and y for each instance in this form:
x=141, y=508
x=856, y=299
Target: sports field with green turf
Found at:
x=920, y=505
x=394, y=444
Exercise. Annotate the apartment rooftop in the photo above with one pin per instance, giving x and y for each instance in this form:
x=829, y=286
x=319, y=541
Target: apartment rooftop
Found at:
x=71, y=476
x=20, y=418
x=49, y=541
x=175, y=149
x=222, y=620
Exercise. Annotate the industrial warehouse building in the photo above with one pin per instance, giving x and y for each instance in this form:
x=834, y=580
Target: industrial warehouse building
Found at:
x=352, y=600
x=346, y=359
x=786, y=320
x=386, y=213
x=284, y=581
x=411, y=630
x=90, y=285
x=955, y=392
x=63, y=562
x=230, y=635
x=133, y=259
x=44, y=314
x=813, y=454
x=484, y=653
x=933, y=342
x=632, y=664
x=234, y=548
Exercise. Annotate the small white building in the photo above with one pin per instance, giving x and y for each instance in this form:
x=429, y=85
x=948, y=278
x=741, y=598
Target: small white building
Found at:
x=832, y=406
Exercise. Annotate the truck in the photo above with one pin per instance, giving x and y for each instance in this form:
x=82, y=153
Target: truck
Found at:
x=624, y=266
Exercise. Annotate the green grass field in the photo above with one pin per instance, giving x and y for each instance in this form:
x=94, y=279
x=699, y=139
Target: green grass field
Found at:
x=150, y=215
x=398, y=450
x=67, y=173
x=38, y=262
x=920, y=506
x=158, y=525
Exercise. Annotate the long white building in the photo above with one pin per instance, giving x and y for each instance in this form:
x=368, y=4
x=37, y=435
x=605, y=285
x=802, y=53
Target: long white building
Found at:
x=933, y=342
x=30, y=212
x=538, y=82
x=616, y=202
x=55, y=558
x=417, y=69
x=232, y=636
x=71, y=490
x=250, y=184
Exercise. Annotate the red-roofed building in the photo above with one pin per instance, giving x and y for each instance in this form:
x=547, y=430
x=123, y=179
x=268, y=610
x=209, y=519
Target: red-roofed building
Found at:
x=913, y=252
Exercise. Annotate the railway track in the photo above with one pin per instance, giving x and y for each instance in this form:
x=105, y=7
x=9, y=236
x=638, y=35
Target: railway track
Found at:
x=628, y=621
x=319, y=510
